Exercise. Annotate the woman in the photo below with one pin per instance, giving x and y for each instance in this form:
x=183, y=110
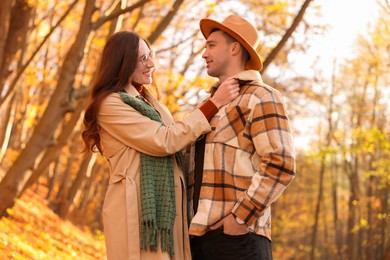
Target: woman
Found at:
x=144, y=212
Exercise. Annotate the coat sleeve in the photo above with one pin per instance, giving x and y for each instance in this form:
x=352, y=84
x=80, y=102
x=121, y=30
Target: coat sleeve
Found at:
x=131, y=128
x=271, y=136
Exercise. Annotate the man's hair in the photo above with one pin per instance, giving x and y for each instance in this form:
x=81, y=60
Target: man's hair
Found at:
x=230, y=39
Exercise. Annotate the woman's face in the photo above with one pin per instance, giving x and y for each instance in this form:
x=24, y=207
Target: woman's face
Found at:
x=145, y=66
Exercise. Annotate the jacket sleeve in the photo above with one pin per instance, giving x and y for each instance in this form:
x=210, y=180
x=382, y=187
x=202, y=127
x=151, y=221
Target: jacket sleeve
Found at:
x=131, y=128
x=271, y=136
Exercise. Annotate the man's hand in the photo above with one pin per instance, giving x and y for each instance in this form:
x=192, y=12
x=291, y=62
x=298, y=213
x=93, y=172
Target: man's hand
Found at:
x=230, y=226
x=226, y=92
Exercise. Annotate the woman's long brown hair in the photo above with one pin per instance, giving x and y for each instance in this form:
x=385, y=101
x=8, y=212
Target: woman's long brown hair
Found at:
x=118, y=62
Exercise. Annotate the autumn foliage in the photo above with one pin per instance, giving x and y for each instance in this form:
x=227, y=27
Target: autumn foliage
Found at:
x=51, y=194
x=33, y=231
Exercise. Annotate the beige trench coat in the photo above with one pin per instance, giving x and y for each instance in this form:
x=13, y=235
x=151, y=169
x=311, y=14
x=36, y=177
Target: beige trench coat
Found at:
x=124, y=134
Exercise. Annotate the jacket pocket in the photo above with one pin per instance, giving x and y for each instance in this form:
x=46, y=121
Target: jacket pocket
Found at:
x=232, y=129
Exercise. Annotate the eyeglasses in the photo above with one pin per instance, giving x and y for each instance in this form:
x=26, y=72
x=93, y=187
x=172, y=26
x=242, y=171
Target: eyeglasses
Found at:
x=145, y=58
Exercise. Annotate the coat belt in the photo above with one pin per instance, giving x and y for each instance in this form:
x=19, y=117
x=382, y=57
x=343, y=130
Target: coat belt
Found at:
x=131, y=192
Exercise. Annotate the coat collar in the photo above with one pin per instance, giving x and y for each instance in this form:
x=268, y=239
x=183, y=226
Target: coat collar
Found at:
x=245, y=75
x=249, y=75
x=154, y=102
x=132, y=91
x=148, y=95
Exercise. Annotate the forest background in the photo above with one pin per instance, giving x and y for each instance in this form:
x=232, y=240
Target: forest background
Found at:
x=338, y=205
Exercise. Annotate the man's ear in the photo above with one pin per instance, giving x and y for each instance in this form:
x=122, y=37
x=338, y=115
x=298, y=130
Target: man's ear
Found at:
x=236, y=47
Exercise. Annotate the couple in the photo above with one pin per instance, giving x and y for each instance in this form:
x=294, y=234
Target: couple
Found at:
x=239, y=144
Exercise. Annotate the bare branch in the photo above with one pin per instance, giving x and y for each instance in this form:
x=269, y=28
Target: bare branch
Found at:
x=165, y=21
x=286, y=36
x=177, y=44
x=117, y=13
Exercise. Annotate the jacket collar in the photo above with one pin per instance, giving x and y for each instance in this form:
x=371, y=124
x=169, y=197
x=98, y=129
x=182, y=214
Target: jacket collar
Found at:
x=249, y=75
x=245, y=75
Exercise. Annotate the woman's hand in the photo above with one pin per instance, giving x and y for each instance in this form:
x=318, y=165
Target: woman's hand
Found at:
x=226, y=92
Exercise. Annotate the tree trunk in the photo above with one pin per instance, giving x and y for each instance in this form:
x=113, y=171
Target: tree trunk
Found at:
x=86, y=196
x=100, y=193
x=338, y=232
x=387, y=252
x=52, y=173
x=16, y=126
x=14, y=84
x=353, y=204
x=5, y=15
x=52, y=152
x=326, y=248
x=15, y=179
x=384, y=230
x=62, y=195
x=91, y=203
x=77, y=183
x=7, y=119
x=317, y=209
x=370, y=244
x=327, y=143
x=16, y=37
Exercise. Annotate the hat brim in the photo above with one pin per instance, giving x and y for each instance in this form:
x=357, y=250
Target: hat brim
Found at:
x=207, y=25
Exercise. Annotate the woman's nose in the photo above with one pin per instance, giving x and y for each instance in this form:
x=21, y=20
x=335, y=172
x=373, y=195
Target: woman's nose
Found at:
x=150, y=63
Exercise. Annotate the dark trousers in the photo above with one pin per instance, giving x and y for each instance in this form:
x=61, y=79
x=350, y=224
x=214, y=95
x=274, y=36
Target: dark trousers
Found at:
x=215, y=245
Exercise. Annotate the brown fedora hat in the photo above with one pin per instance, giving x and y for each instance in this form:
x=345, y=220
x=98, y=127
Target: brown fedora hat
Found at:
x=241, y=30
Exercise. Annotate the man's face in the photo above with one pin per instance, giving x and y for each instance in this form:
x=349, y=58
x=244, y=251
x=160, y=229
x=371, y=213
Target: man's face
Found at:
x=217, y=54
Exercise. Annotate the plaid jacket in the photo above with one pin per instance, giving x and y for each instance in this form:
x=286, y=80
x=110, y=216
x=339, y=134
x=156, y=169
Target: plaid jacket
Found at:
x=249, y=158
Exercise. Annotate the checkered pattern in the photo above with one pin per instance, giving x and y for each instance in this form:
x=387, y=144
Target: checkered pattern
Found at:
x=249, y=159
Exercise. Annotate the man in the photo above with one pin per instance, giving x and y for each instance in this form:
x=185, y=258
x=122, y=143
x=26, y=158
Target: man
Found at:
x=248, y=158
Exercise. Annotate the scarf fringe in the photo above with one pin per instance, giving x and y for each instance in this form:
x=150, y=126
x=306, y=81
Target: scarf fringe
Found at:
x=150, y=235
x=166, y=238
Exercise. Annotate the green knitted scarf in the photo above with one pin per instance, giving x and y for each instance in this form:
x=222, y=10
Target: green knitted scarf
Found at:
x=157, y=188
